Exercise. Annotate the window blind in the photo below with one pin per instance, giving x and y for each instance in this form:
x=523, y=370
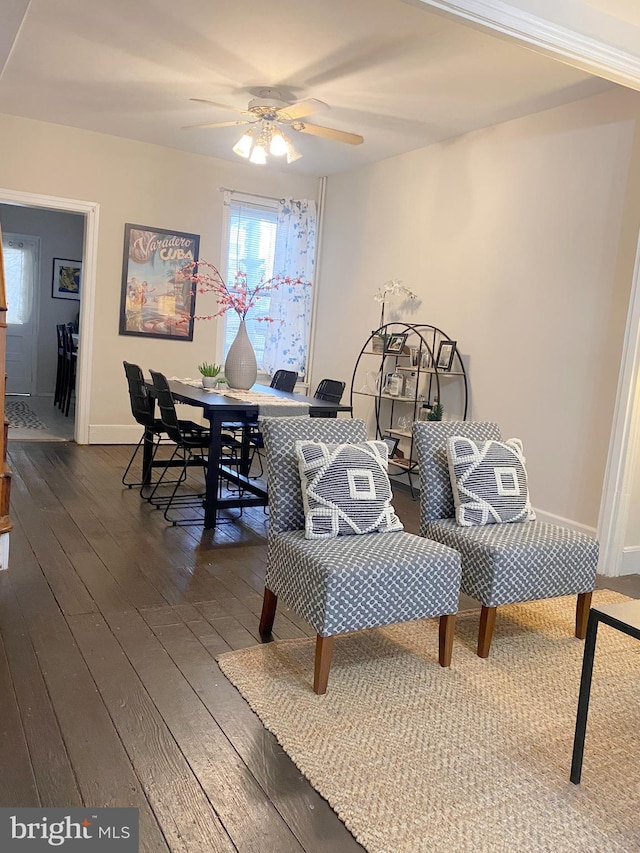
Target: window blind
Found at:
x=251, y=248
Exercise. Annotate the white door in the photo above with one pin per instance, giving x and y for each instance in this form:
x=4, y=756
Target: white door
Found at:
x=21, y=262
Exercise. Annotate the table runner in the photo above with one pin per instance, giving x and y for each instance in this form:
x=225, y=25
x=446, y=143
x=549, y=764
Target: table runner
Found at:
x=268, y=405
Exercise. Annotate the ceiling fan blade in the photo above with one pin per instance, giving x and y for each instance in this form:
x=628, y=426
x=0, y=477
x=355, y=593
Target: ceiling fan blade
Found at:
x=220, y=106
x=216, y=124
x=329, y=133
x=299, y=109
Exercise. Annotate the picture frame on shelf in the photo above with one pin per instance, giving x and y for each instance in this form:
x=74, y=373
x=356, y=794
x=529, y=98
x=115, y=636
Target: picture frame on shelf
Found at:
x=392, y=445
x=394, y=345
x=66, y=279
x=446, y=352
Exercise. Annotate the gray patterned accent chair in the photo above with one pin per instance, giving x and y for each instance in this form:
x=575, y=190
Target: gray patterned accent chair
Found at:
x=347, y=583
x=501, y=563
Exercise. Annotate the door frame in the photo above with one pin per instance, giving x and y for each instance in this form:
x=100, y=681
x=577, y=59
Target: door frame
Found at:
x=623, y=442
x=91, y=211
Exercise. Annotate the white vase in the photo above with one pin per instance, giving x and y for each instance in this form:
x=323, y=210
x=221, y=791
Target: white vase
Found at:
x=209, y=381
x=240, y=367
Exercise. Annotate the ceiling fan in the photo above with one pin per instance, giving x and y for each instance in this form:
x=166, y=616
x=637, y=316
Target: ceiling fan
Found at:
x=266, y=116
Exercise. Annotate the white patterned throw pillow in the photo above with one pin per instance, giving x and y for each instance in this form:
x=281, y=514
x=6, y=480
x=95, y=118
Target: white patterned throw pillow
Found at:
x=345, y=489
x=489, y=481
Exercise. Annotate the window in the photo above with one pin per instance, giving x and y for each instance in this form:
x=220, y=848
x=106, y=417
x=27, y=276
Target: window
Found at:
x=20, y=258
x=251, y=248
x=267, y=238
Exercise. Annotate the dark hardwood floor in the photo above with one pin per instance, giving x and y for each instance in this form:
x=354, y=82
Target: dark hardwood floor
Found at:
x=110, y=620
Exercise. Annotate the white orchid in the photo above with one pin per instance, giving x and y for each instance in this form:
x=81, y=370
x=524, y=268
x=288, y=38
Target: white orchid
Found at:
x=391, y=289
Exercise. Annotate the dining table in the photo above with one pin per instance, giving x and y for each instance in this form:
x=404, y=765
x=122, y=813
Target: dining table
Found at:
x=222, y=407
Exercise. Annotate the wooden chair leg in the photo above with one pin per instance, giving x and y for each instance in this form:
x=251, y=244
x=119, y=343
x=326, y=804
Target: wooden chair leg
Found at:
x=324, y=649
x=485, y=634
x=582, y=614
x=447, y=626
x=269, y=604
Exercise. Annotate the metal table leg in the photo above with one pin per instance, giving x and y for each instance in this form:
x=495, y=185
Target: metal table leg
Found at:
x=585, y=693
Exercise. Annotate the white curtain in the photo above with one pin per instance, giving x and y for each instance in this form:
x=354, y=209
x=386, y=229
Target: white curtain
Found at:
x=288, y=336
x=20, y=267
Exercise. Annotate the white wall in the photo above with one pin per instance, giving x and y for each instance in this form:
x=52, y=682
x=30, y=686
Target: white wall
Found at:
x=517, y=240
x=143, y=184
x=61, y=236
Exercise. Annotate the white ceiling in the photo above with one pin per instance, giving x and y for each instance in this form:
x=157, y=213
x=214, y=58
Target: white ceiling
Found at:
x=399, y=75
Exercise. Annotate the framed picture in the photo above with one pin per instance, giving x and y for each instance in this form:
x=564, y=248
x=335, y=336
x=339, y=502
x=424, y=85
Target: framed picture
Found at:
x=446, y=352
x=394, y=344
x=66, y=279
x=156, y=300
x=392, y=445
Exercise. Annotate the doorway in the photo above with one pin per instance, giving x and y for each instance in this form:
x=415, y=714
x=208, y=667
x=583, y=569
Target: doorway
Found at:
x=83, y=309
x=43, y=270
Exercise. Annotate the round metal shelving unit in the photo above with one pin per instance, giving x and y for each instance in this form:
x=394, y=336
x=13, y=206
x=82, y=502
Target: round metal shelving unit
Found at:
x=426, y=342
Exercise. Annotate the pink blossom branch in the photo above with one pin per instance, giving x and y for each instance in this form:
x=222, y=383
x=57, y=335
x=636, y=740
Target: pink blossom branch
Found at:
x=241, y=298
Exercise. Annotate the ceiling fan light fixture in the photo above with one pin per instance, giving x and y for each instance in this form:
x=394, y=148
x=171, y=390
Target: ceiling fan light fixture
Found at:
x=279, y=144
x=258, y=154
x=292, y=154
x=243, y=145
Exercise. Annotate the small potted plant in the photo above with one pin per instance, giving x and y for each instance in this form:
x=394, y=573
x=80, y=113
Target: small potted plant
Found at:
x=209, y=374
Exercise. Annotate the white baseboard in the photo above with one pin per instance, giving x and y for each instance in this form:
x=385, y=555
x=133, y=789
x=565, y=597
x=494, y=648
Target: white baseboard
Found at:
x=630, y=563
x=550, y=518
x=114, y=433
x=4, y=551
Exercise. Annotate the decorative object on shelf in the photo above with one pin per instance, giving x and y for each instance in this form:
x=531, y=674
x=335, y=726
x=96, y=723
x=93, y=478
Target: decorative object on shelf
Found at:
x=437, y=410
x=66, y=279
x=240, y=366
x=411, y=385
x=155, y=303
x=395, y=344
x=394, y=384
x=378, y=342
x=446, y=352
x=389, y=292
x=392, y=445
x=210, y=373
x=372, y=384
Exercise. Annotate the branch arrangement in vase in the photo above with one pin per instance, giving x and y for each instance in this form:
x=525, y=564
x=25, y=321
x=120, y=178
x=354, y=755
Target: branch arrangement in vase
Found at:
x=242, y=296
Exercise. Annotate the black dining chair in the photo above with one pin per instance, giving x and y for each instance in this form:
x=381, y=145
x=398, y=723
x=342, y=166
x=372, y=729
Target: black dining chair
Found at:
x=191, y=445
x=330, y=390
x=57, y=396
x=282, y=380
x=191, y=450
x=70, y=353
x=143, y=410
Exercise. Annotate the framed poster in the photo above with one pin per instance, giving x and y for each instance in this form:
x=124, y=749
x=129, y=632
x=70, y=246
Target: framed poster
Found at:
x=65, y=280
x=157, y=301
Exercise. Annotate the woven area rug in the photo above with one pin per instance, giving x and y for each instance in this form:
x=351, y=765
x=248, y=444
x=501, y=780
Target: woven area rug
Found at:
x=20, y=416
x=417, y=758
